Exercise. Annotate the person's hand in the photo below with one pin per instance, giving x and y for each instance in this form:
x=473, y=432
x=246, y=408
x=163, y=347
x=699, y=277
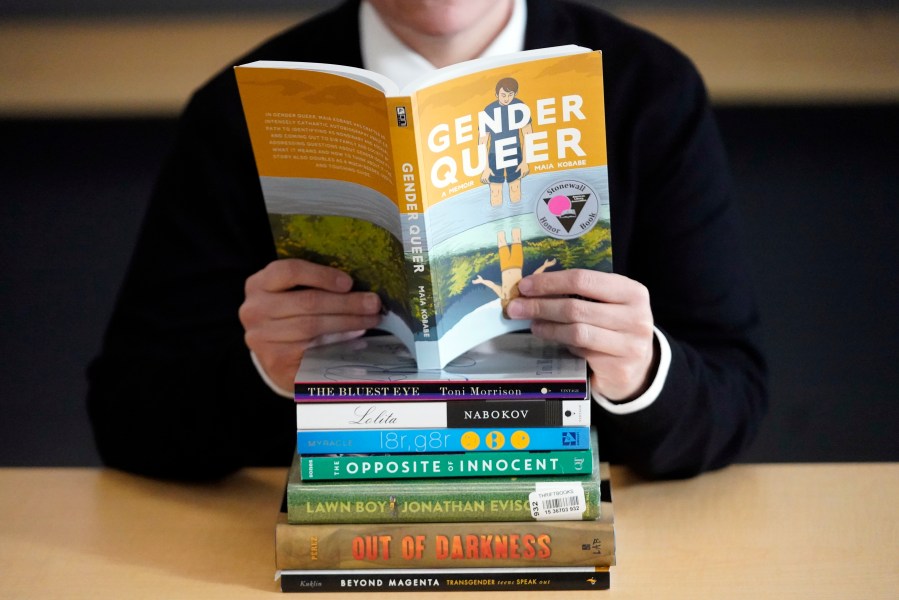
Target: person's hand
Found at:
x=292, y=304
x=523, y=168
x=603, y=317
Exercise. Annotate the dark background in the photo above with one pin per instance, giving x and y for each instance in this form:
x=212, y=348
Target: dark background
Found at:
x=818, y=186
x=68, y=8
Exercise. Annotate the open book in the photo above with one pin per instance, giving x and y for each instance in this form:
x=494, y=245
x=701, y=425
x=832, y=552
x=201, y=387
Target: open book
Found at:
x=441, y=196
x=517, y=366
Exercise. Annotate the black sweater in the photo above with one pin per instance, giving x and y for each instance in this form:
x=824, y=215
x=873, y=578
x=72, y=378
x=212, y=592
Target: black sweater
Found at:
x=174, y=393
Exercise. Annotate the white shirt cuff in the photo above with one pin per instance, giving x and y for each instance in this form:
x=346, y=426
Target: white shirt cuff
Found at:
x=268, y=380
x=654, y=389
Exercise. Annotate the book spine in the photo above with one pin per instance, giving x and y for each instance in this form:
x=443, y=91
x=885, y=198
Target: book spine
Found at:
x=454, y=414
x=440, y=390
x=465, y=464
x=511, y=500
x=446, y=580
x=438, y=545
x=411, y=441
x=404, y=149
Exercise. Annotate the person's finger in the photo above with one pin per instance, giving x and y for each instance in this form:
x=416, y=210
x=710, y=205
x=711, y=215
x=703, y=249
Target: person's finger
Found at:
x=615, y=317
x=593, y=285
x=290, y=273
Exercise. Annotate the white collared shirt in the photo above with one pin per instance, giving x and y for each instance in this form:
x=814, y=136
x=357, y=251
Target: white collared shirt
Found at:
x=384, y=53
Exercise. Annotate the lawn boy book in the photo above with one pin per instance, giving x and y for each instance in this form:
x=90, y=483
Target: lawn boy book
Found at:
x=438, y=500
x=447, y=580
x=429, y=545
x=380, y=368
x=439, y=196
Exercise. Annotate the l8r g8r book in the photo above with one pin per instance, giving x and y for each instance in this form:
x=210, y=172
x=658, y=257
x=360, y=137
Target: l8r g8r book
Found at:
x=441, y=196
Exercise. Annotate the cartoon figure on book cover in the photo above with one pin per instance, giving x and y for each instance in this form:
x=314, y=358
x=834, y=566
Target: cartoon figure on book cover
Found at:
x=503, y=138
x=511, y=262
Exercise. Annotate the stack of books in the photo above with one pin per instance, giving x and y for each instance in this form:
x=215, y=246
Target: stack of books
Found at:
x=477, y=472
x=484, y=475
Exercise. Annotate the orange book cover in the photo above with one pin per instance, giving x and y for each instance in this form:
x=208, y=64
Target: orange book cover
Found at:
x=410, y=545
x=442, y=195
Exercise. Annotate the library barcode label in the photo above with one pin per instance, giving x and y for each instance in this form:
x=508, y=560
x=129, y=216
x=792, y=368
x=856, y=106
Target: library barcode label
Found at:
x=558, y=501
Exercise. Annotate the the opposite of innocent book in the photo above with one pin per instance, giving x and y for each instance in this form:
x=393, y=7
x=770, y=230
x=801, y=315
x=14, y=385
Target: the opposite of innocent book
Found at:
x=430, y=497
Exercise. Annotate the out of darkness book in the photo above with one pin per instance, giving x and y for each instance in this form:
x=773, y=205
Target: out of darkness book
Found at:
x=419, y=545
x=442, y=195
x=434, y=499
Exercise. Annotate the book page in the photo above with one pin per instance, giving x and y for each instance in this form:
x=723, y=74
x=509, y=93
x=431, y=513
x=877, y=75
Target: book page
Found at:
x=321, y=141
x=317, y=125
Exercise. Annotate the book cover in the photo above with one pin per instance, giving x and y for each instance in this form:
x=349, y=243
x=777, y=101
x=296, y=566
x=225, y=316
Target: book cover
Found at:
x=490, y=544
x=408, y=441
x=440, y=196
x=423, y=500
x=496, y=466
x=446, y=580
x=447, y=464
x=453, y=414
x=380, y=368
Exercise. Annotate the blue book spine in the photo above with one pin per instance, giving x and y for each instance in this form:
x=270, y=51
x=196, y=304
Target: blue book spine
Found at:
x=397, y=441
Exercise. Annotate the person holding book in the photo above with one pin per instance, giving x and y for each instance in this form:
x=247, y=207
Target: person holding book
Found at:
x=209, y=327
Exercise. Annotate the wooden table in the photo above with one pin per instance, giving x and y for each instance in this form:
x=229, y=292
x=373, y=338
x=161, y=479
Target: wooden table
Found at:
x=751, y=531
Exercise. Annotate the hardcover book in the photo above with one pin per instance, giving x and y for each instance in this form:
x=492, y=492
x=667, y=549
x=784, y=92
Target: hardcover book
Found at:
x=447, y=580
x=446, y=464
x=437, y=500
x=442, y=195
x=380, y=368
x=408, y=441
x=453, y=414
x=427, y=545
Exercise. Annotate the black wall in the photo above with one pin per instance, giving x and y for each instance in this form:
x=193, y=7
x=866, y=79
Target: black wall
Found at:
x=819, y=188
x=820, y=191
